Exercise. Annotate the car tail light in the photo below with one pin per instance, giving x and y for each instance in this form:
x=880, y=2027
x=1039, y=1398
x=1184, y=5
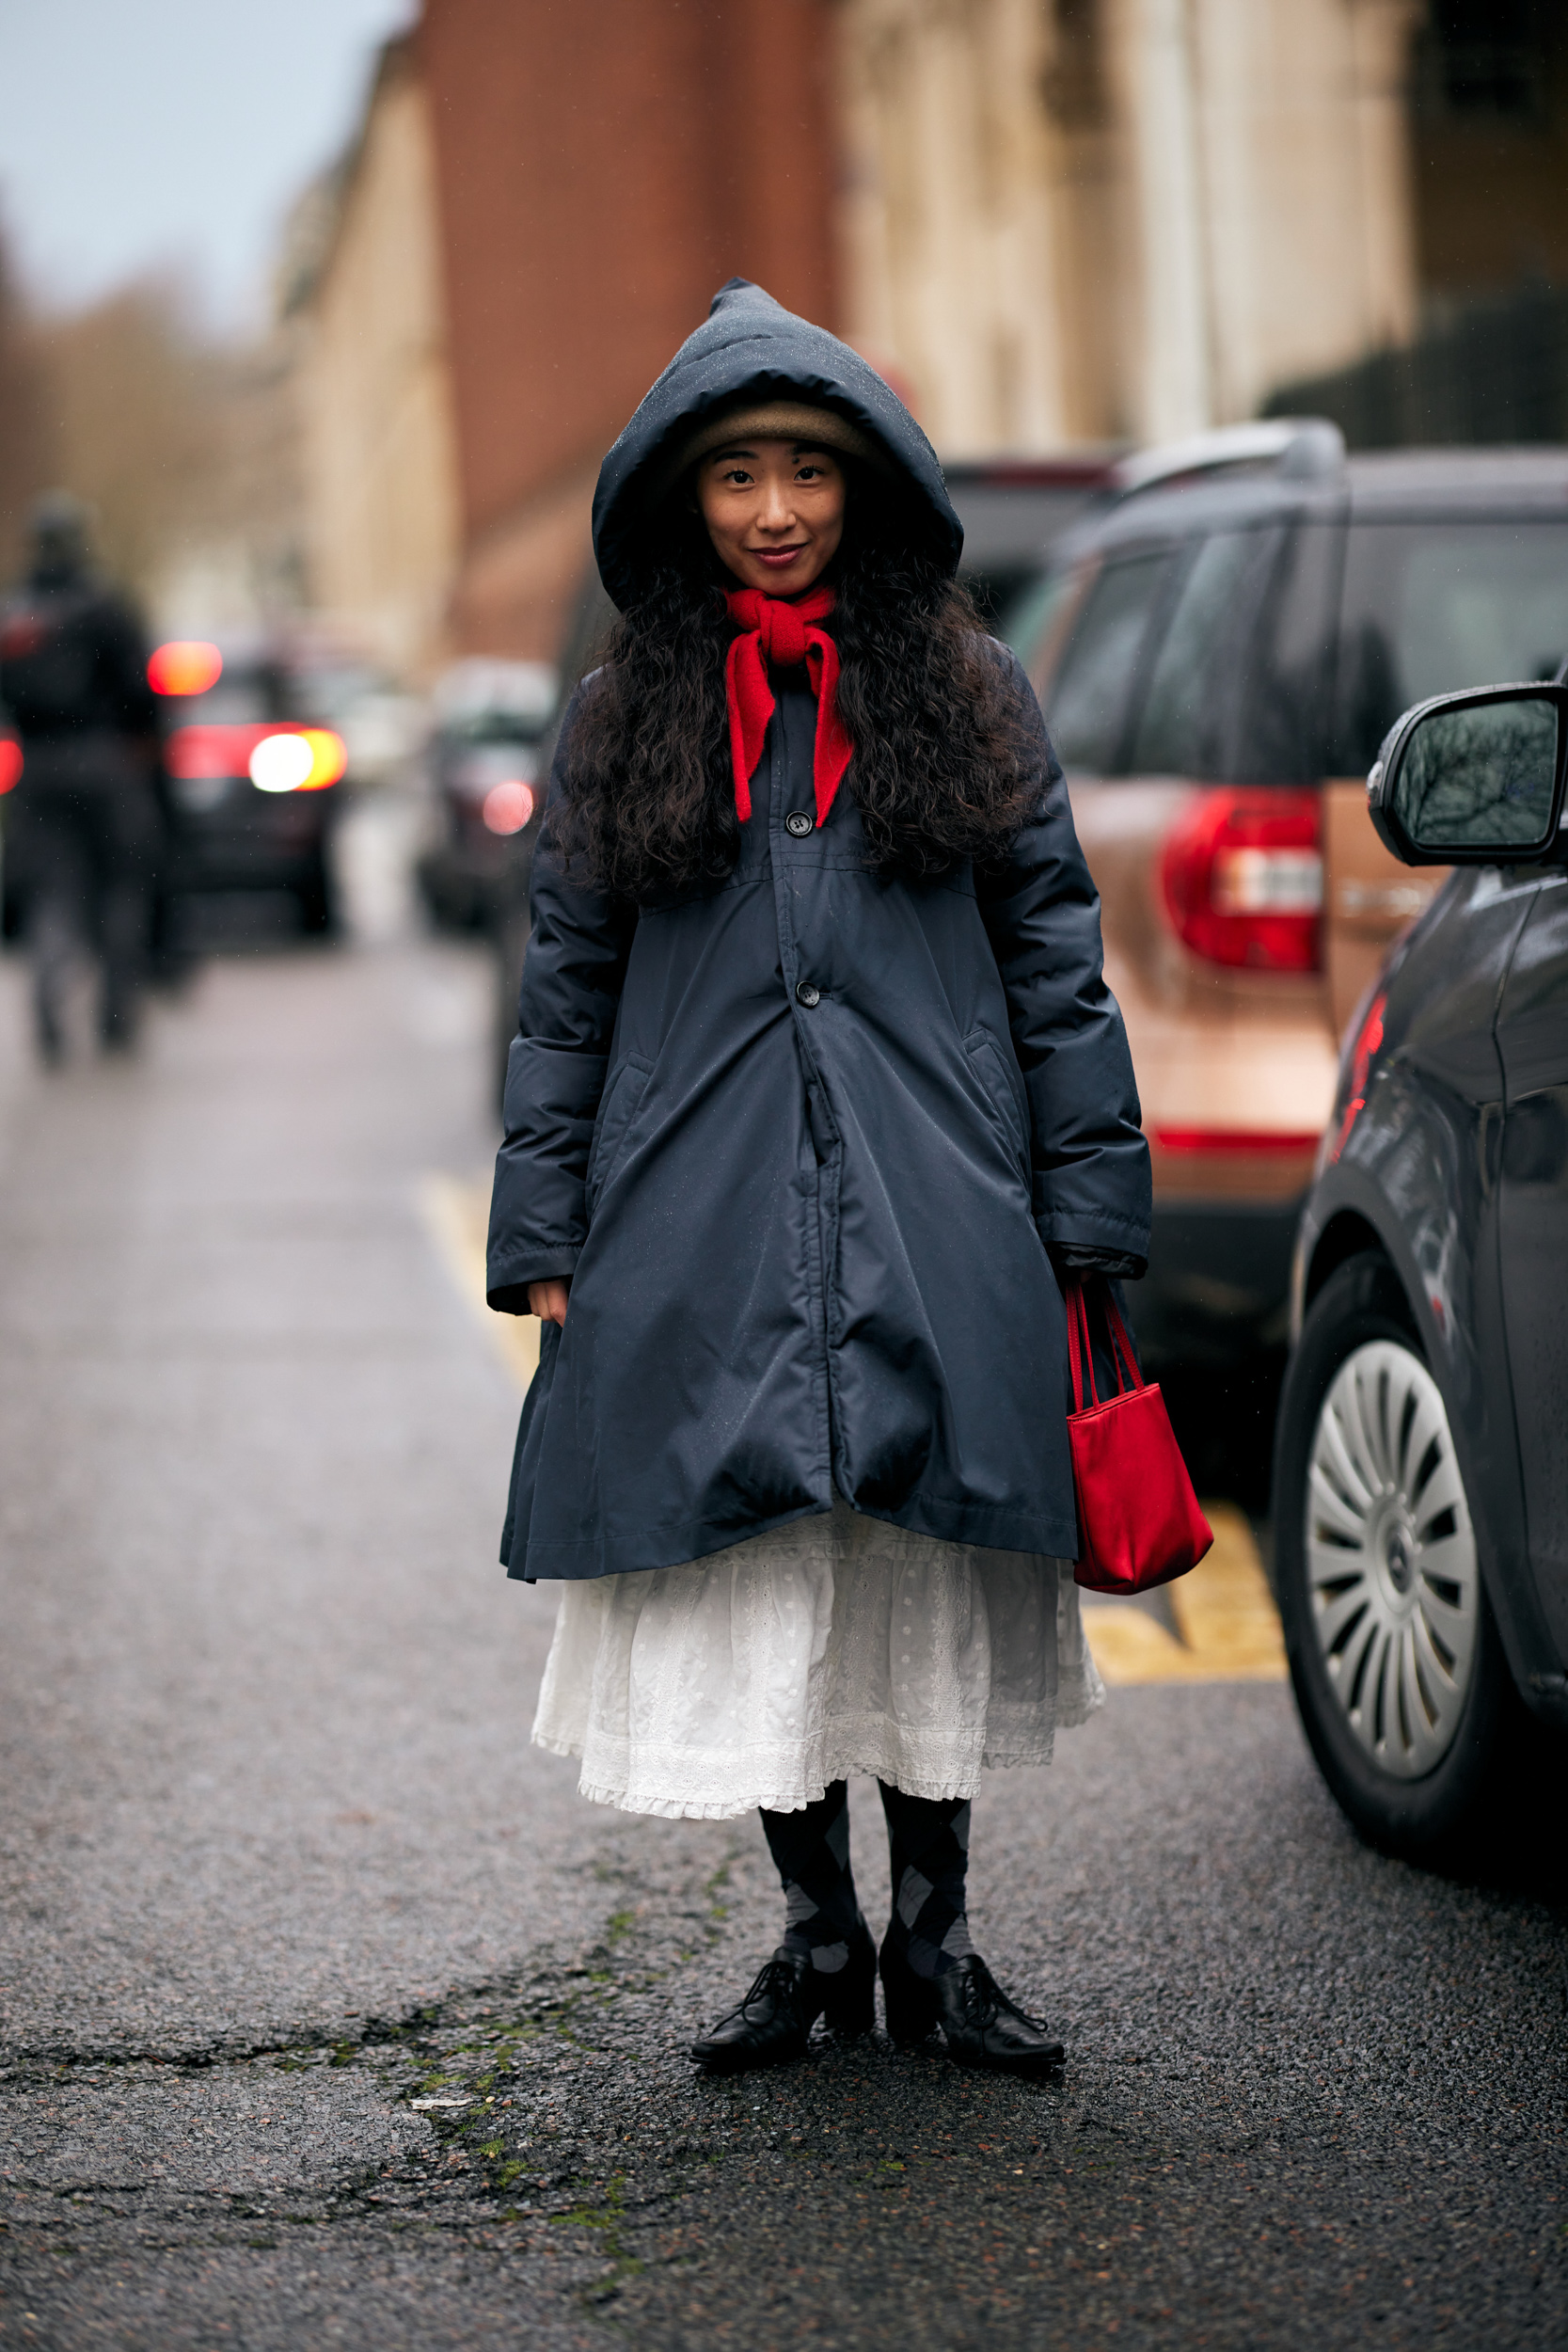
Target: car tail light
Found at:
x=275, y=758
x=184, y=666
x=1369, y=1044
x=507, y=807
x=1243, y=878
x=10, y=762
x=1243, y=1139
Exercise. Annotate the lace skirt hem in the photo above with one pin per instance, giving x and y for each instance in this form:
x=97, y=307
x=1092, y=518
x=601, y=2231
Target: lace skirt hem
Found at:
x=833, y=1646
x=720, y=1787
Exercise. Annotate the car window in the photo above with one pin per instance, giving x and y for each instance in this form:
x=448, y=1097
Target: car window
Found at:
x=1027, y=622
x=1432, y=606
x=1283, y=733
x=241, y=698
x=1087, y=700
x=1187, y=722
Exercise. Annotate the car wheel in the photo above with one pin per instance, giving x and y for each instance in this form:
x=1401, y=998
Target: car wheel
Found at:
x=1398, y=1667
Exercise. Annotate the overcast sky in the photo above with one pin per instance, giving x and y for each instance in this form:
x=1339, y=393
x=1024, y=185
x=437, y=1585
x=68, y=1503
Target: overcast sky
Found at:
x=134, y=132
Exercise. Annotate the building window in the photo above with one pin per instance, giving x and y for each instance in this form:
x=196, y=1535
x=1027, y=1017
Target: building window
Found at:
x=1073, y=82
x=1485, y=62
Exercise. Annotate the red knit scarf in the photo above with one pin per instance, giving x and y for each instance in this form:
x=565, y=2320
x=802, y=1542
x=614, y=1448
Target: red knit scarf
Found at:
x=775, y=631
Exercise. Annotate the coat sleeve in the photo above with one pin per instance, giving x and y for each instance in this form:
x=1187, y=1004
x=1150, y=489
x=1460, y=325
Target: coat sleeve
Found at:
x=1041, y=911
x=572, y=975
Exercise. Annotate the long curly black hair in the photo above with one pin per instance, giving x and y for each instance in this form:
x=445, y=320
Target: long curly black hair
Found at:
x=945, y=765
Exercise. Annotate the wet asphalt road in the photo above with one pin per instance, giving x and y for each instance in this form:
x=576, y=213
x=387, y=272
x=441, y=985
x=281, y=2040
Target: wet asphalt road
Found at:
x=278, y=1864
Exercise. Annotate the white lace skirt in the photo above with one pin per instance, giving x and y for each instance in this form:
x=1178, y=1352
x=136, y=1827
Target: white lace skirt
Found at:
x=836, y=1645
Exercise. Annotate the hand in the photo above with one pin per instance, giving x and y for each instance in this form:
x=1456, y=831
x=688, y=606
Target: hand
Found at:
x=548, y=1300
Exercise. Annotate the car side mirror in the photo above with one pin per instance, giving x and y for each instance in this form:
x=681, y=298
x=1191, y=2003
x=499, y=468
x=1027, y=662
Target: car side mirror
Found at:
x=1473, y=779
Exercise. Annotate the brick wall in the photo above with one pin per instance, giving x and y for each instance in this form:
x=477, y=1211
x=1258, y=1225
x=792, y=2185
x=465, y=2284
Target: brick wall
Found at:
x=603, y=166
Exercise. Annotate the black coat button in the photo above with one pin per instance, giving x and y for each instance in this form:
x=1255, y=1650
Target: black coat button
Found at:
x=807, y=996
x=798, y=823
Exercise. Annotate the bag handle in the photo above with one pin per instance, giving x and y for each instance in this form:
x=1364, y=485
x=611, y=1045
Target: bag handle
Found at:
x=1077, y=1323
x=1124, y=1362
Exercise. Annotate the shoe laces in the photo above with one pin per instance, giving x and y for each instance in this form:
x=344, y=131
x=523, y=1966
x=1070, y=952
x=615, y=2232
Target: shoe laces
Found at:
x=770, y=1970
x=982, y=1999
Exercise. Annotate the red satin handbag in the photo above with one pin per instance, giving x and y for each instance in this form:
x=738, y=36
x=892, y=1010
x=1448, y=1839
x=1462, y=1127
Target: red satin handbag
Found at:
x=1138, y=1520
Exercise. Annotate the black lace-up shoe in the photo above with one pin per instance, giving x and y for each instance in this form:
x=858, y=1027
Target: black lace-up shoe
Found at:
x=772, y=2023
x=980, y=2026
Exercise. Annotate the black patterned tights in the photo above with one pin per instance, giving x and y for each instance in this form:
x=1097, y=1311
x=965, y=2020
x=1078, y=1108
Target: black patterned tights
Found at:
x=929, y=1849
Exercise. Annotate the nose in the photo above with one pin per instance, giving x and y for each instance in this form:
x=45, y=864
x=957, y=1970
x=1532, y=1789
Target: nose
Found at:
x=778, y=512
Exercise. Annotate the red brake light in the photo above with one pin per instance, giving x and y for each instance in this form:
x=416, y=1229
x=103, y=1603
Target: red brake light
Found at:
x=186, y=666
x=507, y=807
x=1254, y=1139
x=223, y=751
x=10, y=762
x=1369, y=1042
x=1243, y=878
x=319, y=758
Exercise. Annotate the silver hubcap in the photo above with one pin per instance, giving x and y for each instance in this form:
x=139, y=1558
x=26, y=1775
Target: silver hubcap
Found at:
x=1391, y=1559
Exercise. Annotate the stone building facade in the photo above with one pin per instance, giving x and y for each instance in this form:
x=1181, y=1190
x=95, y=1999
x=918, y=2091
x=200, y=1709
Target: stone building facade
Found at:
x=365, y=302
x=1105, y=219
x=602, y=168
x=1052, y=222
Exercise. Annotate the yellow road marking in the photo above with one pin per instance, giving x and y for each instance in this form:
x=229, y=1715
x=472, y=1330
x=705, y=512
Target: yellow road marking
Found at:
x=1226, y=1627
x=1225, y=1614
x=457, y=1215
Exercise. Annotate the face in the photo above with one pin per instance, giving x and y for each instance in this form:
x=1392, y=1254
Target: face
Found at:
x=774, y=512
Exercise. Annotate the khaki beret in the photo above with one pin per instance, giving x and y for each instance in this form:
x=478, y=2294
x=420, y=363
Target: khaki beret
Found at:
x=777, y=421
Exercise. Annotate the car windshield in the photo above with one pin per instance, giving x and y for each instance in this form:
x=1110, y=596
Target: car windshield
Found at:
x=495, y=727
x=241, y=698
x=1433, y=606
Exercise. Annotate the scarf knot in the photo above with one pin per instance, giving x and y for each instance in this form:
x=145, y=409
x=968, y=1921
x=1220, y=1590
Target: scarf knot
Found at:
x=788, y=635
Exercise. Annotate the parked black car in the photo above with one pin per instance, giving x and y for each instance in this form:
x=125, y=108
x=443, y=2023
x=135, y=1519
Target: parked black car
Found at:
x=1421, y=1458
x=487, y=787
x=1015, y=512
x=250, y=770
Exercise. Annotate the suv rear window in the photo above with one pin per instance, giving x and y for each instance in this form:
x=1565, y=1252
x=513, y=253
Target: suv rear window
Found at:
x=1086, y=704
x=1187, y=724
x=1213, y=651
x=1432, y=606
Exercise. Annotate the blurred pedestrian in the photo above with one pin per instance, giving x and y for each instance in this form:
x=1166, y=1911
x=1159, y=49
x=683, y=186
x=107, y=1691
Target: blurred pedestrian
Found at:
x=83, y=828
x=817, y=1075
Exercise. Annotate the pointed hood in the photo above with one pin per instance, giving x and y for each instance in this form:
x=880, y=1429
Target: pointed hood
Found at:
x=752, y=351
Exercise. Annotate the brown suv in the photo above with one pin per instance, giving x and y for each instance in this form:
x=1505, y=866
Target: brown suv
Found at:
x=1219, y=656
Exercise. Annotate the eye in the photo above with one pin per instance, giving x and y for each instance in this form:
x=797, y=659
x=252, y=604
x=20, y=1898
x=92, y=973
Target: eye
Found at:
x=737, y=475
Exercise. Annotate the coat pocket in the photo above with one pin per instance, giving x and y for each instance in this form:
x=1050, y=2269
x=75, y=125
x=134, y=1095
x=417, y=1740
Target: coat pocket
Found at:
x=616, y=1113
x=1002, y=1092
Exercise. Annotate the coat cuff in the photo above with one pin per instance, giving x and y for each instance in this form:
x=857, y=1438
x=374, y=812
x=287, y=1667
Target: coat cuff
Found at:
x=1075, y=1257
x=507, y=1292
x=1097, y=1229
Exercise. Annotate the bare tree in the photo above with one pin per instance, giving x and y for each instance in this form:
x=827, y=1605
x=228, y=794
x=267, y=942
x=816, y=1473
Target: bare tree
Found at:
x=131, y=393
x=183, y=448
x=25, y=439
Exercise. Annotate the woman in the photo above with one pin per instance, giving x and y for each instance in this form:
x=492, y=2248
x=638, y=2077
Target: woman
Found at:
x=815, y=1075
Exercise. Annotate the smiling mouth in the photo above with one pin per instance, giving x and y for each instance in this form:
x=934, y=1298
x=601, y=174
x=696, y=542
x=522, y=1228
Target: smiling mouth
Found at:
x=778, y=555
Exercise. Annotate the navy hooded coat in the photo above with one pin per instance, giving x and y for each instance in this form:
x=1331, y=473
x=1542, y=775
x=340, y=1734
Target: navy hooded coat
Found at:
x=800, y=1140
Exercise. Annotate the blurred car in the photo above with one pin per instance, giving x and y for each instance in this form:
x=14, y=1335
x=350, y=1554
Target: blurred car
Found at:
x=1421, y=1480
x=1219, y=653
x=485, y=772
x=250, y=769
x=11, y=775
x=507, y=925
x=1014, y=511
